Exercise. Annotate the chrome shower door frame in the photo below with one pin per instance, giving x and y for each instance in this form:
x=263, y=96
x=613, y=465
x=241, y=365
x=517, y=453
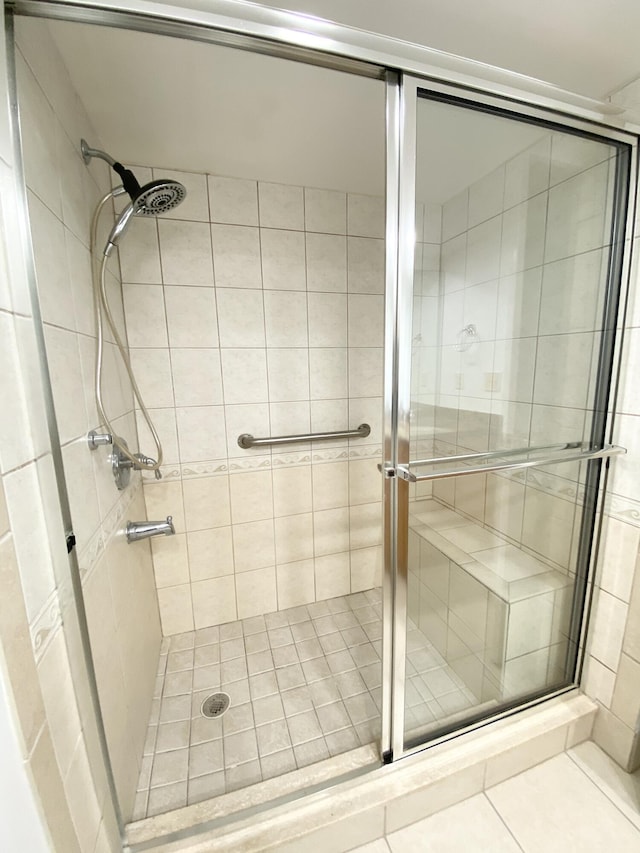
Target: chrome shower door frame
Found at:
x=397, y=455
x=295, y=37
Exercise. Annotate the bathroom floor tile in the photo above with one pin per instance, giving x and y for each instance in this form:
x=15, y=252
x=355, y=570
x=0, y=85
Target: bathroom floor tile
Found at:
x=304, y=685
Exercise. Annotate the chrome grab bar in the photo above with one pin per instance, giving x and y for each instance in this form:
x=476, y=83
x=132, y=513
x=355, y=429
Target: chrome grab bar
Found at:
x=246, y=440
x=405, y=472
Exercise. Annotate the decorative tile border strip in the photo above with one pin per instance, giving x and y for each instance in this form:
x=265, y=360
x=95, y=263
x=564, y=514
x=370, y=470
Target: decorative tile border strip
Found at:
x=215, y=467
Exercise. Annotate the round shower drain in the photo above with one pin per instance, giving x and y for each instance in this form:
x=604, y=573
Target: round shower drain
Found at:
x=215, y=705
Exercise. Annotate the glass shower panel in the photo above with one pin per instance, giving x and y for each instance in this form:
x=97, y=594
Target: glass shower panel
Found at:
x=513, y=233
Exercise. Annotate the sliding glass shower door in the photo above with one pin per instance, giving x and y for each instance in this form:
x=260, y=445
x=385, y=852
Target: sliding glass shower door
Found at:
x=510, y=259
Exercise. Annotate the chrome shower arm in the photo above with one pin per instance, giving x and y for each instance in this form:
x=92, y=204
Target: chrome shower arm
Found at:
x=88, y=153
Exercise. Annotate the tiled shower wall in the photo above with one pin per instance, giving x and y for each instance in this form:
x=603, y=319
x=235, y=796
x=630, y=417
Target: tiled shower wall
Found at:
x=117, y=580
x=522, y=260
x=258, y=308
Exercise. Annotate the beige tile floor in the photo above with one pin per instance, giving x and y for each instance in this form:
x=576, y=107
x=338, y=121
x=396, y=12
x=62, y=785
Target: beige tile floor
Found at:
x=304, y=686
x=577, y=802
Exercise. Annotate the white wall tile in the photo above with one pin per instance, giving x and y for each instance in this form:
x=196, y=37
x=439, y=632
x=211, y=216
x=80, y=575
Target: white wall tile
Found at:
x=196, y=375
x=572, y=294
x=365, y=265
x=240, y=317
x=483, y=251
x=523, y=236
x=328, y=319
x=325, y=211
x=236, y=256
x=328, y=373
x=365, y=525
x=152, y=369
x=244, y=376
x=608, y=629
x=253, y=545
x=256, y=593
x=365, y=215
x=326, y=257
x=577, y=214
x=206, y=502
x=331, y=531
x=49, y=250
x=139, y=253
x=170, y=562
x=63, y=356
x=366, y=321
x=486, y=197
x=201, y=433
x=145, y=315
x=210, y=553
x=293, y=537
x=330, y=485
x=333, y=575
x=251, y=496
x=290, y=418
x=288, y=374
x=281, y=206
x=365, y=372
x=185, y=250
x=286, y=319
x=292, y=490
x=214, y=601
x=233, y=200
x=366, y=568
x=527, y=174
x=455, y=215
x=569, y=387
x=176, y=613
x=283, y=259
x=296, y=584
x=191, y=316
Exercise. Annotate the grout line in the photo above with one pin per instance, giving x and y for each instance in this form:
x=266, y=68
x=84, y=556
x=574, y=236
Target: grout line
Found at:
x=502, y=820
x=611, y=796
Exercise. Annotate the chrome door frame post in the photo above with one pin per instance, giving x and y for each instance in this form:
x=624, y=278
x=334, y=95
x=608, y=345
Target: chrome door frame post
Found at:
x=404, y=316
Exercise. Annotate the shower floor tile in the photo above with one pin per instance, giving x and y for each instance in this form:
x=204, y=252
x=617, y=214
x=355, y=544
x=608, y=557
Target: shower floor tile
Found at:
x=304, y=685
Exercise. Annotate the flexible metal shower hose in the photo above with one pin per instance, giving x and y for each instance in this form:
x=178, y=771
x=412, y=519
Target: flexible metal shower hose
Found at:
x=98, y=271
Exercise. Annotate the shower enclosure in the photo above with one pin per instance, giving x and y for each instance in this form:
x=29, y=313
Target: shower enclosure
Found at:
x=383, y=388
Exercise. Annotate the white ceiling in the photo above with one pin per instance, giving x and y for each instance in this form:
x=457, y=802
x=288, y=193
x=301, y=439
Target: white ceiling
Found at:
x=586, y=46
x=197, y=107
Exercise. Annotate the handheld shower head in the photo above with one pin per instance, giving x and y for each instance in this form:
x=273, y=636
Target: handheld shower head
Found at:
x=152, y=199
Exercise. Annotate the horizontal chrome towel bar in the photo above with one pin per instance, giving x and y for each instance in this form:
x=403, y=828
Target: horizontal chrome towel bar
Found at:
x=245, y=440
x=584, y=456
x=498, y=454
